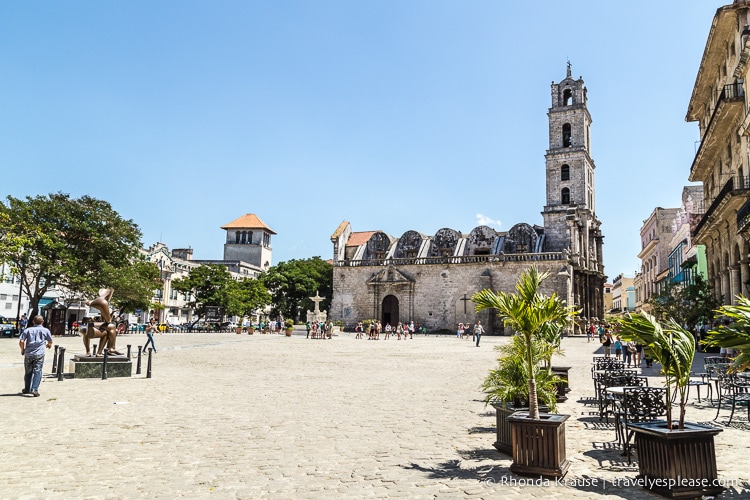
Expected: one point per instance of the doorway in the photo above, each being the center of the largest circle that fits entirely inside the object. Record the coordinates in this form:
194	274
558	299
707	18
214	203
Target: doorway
390	311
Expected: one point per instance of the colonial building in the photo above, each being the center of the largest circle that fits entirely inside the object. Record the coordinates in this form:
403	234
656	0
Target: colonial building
247	254
656	235
720	107
623	295
247	247
430	279
686	260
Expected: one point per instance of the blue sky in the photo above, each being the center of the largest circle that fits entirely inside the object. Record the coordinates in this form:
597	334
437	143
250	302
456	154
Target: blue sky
393	115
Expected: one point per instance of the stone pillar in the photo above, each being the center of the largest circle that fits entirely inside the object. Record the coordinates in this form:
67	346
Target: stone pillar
735	282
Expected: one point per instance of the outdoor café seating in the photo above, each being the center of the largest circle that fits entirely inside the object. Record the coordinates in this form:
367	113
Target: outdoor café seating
603	364
638	404
734	390
615	378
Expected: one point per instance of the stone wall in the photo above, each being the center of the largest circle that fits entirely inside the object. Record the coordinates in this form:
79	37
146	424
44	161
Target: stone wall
430	295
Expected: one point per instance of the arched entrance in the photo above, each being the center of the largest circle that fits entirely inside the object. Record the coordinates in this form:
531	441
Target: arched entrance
390	311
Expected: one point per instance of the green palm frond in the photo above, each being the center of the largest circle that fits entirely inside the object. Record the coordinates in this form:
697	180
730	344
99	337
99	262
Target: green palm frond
736	335
671	346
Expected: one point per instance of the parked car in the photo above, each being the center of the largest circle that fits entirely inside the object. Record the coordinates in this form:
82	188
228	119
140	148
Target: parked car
8	330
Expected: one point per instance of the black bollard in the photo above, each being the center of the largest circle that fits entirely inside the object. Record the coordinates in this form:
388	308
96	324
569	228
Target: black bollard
148	367
60	363
128	351
54	360
94	351
138	365
104	364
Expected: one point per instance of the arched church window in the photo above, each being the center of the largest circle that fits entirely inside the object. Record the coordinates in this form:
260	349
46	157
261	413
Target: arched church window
566	196
566	135
244	237
565	173
237	237
567	97
249	237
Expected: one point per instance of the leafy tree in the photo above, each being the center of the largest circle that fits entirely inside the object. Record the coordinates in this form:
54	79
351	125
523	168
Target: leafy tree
530	314
133	284
56	240
208	285
246	296
293	282
688	305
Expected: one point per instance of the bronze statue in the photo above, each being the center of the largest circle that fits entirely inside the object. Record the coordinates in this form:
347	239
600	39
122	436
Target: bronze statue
105	330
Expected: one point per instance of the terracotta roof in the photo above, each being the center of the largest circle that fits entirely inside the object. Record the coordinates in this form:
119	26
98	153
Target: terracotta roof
248	221
359	238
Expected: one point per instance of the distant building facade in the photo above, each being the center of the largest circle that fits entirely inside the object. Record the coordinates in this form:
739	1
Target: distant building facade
686	259
623	295
656	235
430	279
247	254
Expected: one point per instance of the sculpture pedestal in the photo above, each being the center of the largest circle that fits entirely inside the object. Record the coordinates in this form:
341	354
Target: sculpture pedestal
91	366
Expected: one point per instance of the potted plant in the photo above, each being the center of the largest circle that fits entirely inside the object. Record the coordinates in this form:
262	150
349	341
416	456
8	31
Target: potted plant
288	327
507	389
678	457
538	439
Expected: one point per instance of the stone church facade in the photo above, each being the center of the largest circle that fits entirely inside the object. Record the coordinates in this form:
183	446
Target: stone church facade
429	279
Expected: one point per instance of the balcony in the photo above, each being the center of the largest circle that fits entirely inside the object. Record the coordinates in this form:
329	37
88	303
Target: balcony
743	217
727	111
733	195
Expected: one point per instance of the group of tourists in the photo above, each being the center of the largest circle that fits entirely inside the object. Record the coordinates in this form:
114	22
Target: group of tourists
631	353
465	328
376	328
319	330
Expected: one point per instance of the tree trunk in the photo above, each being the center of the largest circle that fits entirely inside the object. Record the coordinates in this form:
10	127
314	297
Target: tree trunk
533	401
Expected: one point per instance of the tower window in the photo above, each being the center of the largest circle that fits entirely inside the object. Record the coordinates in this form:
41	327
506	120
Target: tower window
567	97
566	196
565	173
249	237
566	135
237	237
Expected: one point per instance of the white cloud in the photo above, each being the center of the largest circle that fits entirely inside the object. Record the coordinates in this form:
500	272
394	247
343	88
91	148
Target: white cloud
483	220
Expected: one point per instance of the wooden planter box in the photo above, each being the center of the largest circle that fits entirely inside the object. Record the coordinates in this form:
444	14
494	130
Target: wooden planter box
563	388
538	445
677	463
504	443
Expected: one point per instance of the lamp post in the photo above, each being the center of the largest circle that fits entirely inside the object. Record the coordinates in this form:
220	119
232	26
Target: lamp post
20	292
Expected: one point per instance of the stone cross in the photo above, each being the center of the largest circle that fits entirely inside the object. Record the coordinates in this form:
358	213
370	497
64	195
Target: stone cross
465	299
317	299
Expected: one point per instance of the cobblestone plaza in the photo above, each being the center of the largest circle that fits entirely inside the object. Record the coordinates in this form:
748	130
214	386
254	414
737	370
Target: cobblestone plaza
266	416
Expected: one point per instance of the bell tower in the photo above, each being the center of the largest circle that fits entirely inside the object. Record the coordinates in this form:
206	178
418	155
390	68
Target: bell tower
570	221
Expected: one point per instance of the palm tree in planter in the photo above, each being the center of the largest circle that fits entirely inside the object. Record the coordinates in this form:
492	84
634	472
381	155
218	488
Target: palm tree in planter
507	389
679	455
530	313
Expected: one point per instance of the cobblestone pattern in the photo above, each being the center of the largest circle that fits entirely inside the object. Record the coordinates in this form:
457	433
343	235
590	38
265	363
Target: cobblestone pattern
265	416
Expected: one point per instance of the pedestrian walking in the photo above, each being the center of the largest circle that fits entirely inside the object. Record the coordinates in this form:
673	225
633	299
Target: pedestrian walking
478	331
150	329
33	341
